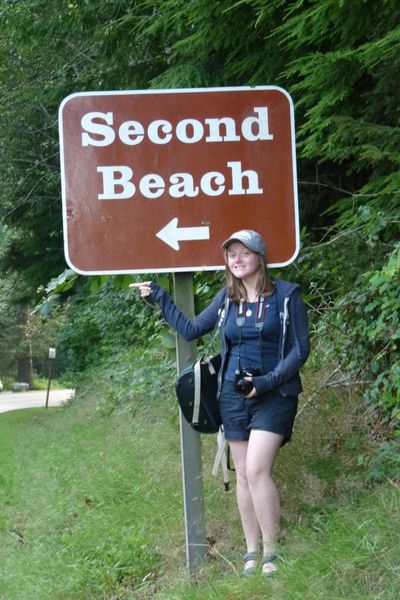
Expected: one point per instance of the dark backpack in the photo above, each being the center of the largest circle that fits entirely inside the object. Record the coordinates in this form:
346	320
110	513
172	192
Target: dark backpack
196	390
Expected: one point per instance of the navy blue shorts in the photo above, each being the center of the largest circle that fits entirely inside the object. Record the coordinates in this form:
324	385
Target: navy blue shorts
269	412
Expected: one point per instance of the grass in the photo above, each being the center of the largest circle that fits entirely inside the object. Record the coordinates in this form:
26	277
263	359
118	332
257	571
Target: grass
80	514
92	507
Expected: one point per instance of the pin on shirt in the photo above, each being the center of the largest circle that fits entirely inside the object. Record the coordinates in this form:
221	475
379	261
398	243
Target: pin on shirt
249	312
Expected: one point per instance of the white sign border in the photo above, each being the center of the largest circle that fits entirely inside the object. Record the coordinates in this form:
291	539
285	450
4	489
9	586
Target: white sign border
174	91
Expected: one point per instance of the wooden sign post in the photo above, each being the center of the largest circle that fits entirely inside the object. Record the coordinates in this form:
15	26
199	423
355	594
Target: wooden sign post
192	473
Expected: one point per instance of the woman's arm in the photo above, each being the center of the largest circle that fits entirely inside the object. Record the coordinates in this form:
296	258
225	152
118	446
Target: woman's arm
189	329
299	349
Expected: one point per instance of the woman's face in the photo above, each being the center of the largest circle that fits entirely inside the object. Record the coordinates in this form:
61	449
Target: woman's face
242	262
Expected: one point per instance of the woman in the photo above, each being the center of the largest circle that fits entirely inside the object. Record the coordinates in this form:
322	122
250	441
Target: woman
264	342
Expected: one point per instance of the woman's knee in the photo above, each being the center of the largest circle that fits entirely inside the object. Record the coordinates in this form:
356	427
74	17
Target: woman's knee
256	474
239	455
241	474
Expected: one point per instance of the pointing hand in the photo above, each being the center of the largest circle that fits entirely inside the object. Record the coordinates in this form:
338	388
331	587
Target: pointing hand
143	287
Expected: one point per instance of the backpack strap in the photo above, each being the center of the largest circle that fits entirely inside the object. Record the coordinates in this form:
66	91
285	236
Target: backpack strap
197	385
221	458
197	392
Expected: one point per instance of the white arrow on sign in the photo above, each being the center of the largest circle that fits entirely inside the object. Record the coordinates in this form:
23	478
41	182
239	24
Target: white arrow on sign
171	234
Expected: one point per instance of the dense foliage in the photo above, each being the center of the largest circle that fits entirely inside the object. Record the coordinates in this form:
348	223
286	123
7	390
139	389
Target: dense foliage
339	59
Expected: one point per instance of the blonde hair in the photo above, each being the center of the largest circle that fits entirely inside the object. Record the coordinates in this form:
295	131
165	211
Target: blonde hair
236	289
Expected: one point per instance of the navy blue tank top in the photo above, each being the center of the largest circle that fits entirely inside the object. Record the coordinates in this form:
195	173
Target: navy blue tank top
250	352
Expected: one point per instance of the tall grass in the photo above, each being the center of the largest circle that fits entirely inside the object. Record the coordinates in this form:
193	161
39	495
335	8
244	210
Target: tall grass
89	502
92	507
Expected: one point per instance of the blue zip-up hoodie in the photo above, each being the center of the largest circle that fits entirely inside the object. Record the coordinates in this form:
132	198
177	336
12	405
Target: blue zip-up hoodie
294	345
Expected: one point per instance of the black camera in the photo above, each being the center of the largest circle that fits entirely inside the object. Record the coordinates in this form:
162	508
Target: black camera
242	386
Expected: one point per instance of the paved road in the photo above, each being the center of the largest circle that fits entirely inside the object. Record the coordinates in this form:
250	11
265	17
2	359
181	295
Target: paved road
16	400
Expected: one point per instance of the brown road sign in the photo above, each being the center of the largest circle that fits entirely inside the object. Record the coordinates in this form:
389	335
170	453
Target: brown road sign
155	180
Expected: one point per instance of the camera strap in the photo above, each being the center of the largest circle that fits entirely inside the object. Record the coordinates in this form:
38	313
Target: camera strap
261	309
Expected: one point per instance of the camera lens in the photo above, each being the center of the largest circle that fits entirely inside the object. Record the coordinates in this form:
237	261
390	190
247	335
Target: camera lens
244	387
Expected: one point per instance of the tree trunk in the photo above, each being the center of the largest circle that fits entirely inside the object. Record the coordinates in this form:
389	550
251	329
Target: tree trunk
24	360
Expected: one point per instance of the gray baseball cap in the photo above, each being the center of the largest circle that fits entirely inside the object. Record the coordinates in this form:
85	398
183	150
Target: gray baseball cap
251	239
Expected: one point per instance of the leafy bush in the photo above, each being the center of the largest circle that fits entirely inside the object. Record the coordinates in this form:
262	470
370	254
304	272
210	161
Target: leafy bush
360	332
378	324
102	322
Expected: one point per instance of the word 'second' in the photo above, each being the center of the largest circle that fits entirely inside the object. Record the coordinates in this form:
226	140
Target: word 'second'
187	131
